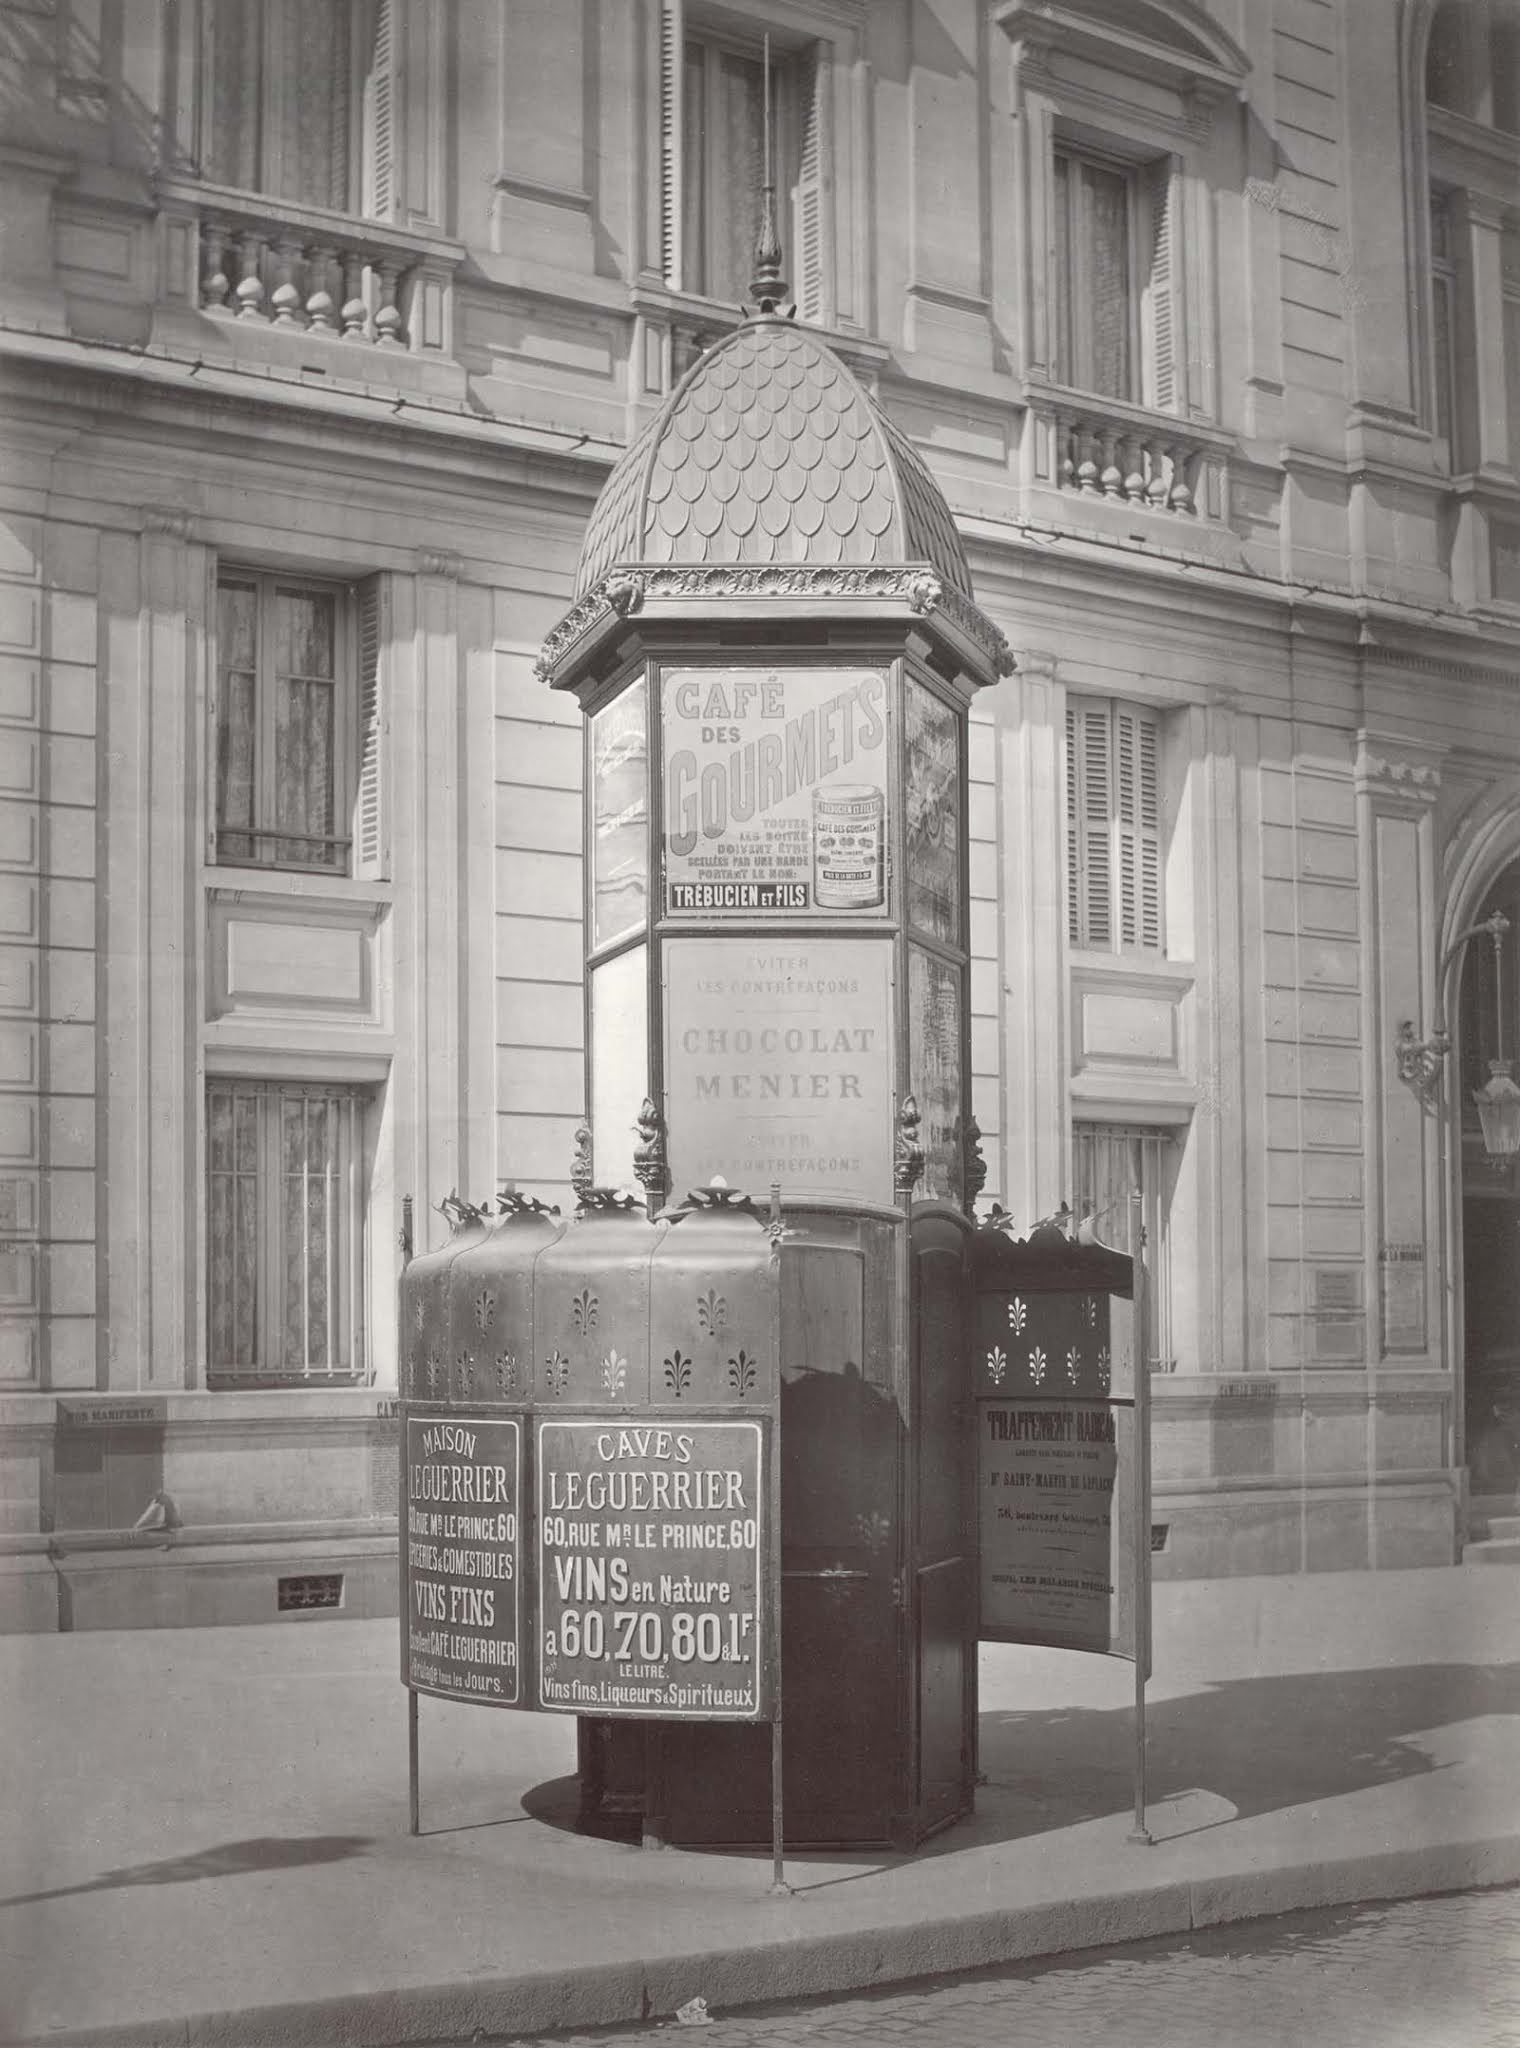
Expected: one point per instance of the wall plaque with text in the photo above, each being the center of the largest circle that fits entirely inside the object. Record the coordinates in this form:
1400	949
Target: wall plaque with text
652	1547
778	1064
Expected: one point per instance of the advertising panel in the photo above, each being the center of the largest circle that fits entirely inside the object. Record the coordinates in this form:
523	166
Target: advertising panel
775	793
461	1558
1054	1549
652	1545
778	1064
1056	1472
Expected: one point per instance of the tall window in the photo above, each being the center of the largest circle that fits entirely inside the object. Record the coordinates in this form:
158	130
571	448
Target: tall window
296	699
713	145
1110	1165
285	1232
288	85
1114	289
1113	826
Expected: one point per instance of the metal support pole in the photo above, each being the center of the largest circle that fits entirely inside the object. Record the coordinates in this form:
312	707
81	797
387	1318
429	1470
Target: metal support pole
1141	1501
779	1886
413	1800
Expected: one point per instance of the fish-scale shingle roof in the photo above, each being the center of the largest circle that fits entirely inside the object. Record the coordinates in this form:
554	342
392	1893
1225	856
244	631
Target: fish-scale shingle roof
769	450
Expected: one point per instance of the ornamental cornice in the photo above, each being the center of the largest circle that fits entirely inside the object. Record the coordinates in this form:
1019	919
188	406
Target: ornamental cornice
627	590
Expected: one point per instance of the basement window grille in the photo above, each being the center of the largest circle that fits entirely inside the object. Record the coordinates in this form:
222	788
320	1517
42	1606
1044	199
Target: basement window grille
310	1590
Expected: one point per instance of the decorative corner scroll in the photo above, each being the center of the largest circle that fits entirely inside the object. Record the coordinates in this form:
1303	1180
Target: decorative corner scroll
649	1163
908	1163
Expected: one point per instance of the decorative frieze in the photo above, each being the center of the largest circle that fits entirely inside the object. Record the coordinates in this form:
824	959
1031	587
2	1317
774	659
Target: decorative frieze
910	584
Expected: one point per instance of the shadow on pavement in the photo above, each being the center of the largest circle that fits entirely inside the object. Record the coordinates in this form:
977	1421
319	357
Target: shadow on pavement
227	1859
1263	1744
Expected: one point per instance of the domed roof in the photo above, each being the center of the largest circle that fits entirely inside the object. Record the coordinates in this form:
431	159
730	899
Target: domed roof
769	450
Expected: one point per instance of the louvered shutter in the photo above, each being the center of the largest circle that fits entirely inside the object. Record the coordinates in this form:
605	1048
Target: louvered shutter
1162	326
1137	824
672	139
814	186
382	95
371	855
1089	824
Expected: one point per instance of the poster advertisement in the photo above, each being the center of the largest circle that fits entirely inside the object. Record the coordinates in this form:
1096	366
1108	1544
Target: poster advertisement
778	1065
461	1557
652	1540
1052	1568
775	793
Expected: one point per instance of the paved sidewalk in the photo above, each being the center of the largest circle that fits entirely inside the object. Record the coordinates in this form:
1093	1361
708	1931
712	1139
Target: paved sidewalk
205	1830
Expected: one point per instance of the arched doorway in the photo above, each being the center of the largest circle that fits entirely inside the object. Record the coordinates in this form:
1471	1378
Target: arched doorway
1490	1191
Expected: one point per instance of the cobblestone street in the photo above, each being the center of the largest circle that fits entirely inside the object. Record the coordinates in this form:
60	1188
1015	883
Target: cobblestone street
1422	1973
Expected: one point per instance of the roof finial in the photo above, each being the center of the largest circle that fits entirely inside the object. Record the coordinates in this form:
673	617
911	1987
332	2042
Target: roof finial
768	286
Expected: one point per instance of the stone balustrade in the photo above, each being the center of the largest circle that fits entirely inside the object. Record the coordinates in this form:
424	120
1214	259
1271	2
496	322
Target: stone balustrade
274	265
1104	449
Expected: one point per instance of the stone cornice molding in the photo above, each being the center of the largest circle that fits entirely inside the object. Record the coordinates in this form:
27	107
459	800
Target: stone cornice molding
441	562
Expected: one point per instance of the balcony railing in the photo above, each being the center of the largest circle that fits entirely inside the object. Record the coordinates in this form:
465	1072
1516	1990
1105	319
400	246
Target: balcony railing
1104	449
276	265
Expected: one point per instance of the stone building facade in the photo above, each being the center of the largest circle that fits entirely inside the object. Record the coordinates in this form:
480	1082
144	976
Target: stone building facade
322	323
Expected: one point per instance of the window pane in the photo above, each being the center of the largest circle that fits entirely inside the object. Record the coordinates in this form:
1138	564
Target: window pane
305	727
1065	367
311	105
235	725
304	630
693	181
232	1227
285	1226
737	171
233	65
1105	198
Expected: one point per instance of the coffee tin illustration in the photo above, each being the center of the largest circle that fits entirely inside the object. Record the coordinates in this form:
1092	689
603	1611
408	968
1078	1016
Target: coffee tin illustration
849	835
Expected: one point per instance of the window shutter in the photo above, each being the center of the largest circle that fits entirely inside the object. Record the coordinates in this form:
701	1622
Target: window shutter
672	126
1161	291
1137	823
1089	829
813	185
370	851
382	92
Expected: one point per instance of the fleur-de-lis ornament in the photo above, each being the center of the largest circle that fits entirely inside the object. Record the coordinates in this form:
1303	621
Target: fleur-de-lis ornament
1018	1315
678	1373
997	1364
712	1311
506	1372
556	1372
614	1374
485	1308
1073	1365
584	1309
1037	1363
1105	1369
741	1374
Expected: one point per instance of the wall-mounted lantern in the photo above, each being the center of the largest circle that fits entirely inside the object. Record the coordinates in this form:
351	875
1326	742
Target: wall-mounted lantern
1421	1060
